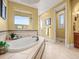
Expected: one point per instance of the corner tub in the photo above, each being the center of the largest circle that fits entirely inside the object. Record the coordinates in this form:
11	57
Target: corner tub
35	52
21	44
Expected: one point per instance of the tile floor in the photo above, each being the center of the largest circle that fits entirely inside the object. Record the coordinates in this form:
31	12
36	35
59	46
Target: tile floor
58	51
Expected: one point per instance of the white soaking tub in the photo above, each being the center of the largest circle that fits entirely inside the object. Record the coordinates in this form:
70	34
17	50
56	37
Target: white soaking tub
21	44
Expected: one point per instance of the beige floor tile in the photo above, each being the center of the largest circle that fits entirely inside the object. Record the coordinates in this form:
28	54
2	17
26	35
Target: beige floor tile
18	56
58	51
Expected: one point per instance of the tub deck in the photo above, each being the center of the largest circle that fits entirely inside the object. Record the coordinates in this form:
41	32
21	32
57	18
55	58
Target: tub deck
26	54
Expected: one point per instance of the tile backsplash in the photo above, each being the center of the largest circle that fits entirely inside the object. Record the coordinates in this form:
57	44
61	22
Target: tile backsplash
24	33
21	34
3	36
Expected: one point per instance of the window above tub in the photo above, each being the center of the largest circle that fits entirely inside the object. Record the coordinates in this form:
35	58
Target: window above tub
61	19
21	20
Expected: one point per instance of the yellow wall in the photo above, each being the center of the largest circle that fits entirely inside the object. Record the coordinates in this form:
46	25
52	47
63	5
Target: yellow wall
44	16
15	6
3	23
23	14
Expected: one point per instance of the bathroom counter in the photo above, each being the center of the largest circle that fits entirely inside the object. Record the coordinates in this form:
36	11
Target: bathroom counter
26	54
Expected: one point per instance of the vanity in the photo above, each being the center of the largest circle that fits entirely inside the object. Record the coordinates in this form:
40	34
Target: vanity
76	39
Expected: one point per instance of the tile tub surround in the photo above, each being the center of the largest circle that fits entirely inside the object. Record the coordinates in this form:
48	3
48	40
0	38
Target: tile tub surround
27	54
24	33
21	44
3	35
21	33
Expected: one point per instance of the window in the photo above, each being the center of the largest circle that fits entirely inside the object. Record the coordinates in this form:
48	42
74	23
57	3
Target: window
61	21
21	20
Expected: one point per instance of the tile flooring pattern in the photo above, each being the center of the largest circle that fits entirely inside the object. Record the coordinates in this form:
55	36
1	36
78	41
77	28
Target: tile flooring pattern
58	51
52	51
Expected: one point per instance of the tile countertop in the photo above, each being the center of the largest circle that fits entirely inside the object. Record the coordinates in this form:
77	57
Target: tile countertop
26	54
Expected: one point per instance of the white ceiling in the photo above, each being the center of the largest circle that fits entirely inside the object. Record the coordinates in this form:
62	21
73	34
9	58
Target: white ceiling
27	1
42	5
31	3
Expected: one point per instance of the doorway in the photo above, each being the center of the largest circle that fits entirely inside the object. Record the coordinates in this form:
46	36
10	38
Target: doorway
60	26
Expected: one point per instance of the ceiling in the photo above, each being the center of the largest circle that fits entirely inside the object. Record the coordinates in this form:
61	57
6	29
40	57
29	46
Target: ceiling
31	3
42	5
27	1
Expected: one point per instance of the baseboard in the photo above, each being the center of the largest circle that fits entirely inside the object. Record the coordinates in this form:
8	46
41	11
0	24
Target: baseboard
51	40
60	39
69	45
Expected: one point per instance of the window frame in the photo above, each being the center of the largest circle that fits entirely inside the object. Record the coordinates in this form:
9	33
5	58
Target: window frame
61	26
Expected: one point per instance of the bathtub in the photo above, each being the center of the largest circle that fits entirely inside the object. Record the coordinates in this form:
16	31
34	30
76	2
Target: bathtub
21	44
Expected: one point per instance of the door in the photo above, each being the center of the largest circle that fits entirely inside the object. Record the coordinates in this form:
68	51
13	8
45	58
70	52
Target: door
60	25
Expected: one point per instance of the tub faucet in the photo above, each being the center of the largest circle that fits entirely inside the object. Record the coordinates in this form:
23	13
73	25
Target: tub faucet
37	38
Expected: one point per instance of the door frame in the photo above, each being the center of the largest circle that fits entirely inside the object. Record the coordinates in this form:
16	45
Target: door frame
61	12
61	7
